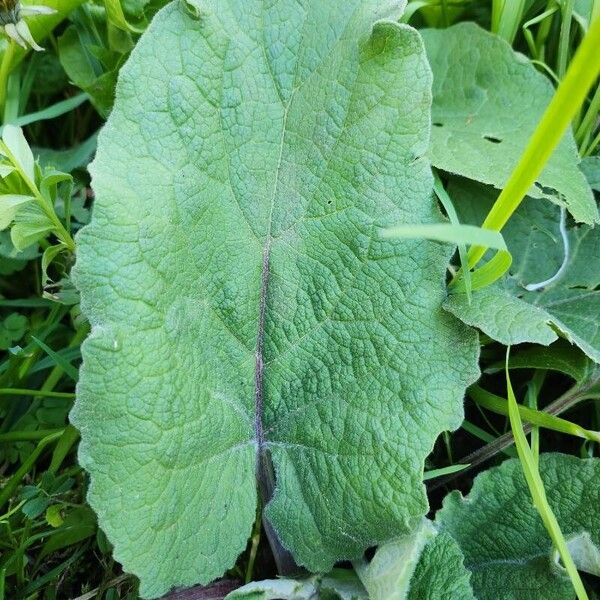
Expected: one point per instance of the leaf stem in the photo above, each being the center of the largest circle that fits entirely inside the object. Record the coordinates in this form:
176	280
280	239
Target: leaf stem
5	70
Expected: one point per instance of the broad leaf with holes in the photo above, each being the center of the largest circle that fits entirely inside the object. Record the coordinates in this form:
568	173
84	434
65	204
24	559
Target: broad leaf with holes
504	540
487	102
242	302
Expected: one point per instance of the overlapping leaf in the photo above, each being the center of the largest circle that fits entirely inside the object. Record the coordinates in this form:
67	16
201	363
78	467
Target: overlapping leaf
422	565
502	536
487	101
241	298
511	313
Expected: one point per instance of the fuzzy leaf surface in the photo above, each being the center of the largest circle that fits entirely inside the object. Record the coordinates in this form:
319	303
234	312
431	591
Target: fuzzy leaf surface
441	573
487	101
503	539
242	301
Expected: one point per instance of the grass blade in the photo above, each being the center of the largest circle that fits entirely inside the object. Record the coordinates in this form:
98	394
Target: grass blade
536	488
60	361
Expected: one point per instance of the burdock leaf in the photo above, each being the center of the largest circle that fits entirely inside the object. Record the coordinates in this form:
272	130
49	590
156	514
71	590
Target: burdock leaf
247	318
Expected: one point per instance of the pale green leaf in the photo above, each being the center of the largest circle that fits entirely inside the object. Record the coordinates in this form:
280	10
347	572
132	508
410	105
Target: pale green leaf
21	153
278	589
340	584
241	298
502	537
6	170
584	552
10	205
388	575
487	101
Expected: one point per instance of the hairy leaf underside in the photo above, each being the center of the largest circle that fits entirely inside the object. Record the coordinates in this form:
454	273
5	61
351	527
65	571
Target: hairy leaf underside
247	319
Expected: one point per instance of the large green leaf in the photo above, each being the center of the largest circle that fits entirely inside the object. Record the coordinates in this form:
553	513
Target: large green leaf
504	540
510	312
243	304
487	101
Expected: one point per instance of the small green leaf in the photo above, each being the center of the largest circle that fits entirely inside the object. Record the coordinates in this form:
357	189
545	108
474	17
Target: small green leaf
50	253
10	204
115	15
12	329
19	149
54	515
31	224
35	507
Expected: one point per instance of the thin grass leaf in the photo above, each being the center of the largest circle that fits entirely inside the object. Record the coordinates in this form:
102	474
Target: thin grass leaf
535	417
536	487
446	201
443	471
51	112
58	359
